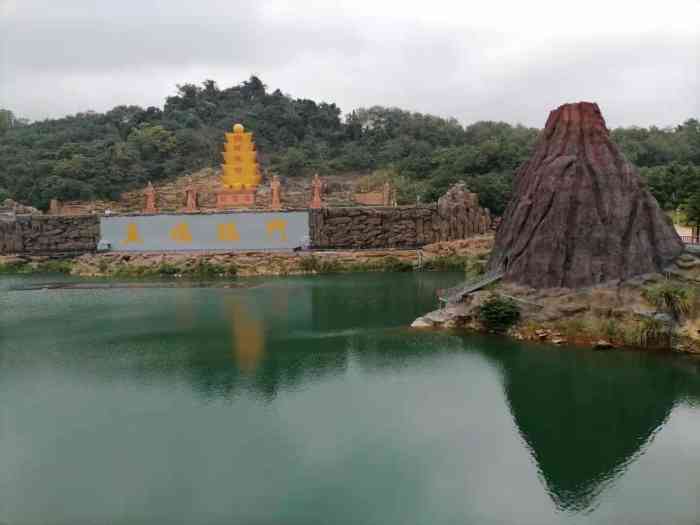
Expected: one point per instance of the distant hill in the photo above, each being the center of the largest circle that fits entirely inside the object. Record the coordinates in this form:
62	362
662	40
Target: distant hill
100	155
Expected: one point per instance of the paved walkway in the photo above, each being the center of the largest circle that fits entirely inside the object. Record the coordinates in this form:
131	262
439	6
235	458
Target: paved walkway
455	295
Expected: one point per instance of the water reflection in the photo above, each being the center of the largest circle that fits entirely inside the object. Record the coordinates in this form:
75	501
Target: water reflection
585	416
248	338
256	364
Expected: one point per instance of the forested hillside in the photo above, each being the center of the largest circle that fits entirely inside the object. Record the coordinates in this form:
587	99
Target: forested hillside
99	155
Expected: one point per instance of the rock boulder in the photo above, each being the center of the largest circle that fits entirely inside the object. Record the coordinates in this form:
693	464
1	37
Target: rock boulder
580	214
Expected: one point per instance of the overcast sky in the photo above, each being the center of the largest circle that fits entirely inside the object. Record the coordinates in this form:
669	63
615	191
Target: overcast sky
474	60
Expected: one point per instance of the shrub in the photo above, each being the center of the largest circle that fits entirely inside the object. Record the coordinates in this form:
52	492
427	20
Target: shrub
609	328
207	270
53	266
394	264
574	326
499	313
14	267
309	263
654	332
329	266
675	299
167	270
474	267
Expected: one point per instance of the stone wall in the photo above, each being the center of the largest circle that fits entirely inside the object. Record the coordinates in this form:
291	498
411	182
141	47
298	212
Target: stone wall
49	234
456	216
369	198
10	237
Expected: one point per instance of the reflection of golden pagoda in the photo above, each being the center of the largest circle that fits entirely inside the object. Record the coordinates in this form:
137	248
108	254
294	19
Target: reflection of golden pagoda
240	171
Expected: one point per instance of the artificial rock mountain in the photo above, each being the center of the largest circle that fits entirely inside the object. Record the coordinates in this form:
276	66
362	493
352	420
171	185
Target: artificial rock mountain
580	214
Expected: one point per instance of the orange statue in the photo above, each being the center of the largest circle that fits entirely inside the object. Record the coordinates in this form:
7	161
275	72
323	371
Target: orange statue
55	207
386	194
150	193
190	197
317	188
275	186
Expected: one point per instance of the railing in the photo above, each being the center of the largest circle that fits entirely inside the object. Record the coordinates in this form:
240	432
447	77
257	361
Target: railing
689	240
455	294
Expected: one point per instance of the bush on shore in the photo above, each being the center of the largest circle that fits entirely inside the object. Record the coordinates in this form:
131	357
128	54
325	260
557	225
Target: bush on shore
499	313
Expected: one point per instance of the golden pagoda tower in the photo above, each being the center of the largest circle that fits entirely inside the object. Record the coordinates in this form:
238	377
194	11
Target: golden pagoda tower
240	173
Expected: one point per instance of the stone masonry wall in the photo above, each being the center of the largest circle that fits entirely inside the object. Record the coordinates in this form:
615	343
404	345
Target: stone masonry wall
49	234
457	215
10	237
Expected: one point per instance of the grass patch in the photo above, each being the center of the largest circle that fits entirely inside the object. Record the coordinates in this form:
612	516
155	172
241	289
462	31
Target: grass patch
394	264
447	263
207	270
314	264
472	266
26	267
654	333
201	269
15	267
54	266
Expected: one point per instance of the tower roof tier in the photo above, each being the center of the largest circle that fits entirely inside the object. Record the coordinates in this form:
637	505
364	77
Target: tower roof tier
240	169
242	138
234	157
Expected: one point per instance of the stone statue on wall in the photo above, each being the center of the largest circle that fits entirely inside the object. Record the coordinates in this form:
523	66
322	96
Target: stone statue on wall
316	188
150	194
386	194
190	196
275	187
55	207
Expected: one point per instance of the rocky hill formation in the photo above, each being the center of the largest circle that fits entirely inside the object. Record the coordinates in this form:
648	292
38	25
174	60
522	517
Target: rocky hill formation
581	214
339	190
11	208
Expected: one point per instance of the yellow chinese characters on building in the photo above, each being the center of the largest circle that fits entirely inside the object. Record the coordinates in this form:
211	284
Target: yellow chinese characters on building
132	235
277	228
181	233
228	232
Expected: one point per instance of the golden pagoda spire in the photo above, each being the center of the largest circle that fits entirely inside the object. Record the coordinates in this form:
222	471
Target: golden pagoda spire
240	168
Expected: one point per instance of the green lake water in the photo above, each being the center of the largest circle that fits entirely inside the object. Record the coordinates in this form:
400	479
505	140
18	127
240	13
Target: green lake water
308	401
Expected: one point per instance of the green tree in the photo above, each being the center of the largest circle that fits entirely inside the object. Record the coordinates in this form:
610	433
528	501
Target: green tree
291	163
692	212
7	120
104	154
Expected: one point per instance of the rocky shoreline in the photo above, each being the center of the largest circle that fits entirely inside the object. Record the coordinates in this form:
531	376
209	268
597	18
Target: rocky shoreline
449	255
617	314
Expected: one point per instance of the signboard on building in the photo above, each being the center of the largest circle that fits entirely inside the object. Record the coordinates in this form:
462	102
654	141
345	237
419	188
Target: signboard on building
216	231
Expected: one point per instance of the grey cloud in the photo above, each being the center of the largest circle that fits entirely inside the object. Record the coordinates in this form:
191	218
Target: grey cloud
103	42
75	55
